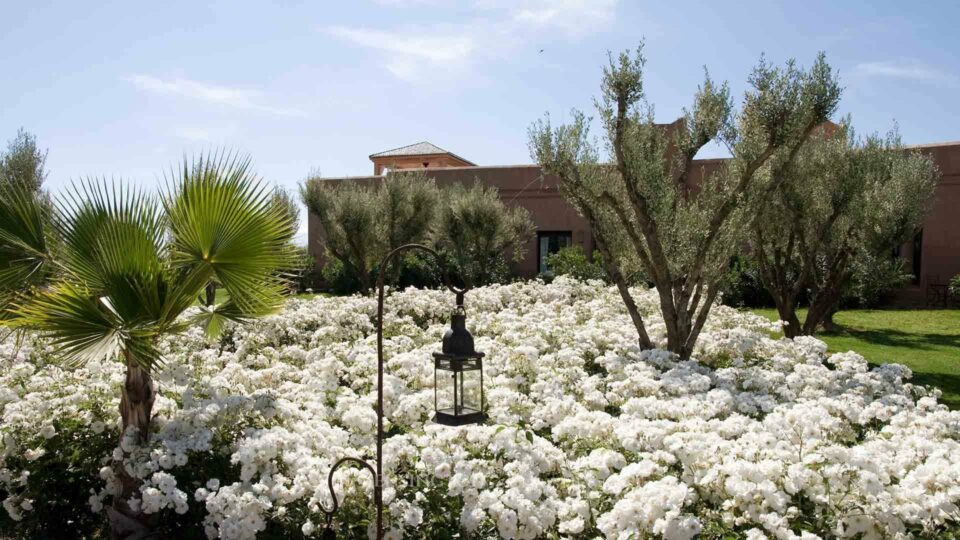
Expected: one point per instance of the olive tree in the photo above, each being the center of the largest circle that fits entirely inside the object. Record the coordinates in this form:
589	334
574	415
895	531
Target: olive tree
479	231
645	201
363	223
838	212
23	162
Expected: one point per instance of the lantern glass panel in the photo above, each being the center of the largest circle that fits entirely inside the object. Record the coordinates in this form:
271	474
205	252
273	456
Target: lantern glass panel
469	392
444	390
459	390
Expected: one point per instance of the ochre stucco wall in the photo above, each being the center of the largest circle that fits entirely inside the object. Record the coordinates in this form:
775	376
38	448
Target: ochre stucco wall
520	185
524	185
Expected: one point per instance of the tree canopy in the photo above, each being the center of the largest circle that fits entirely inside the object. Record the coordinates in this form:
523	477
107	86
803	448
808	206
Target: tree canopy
23	162
363	223
647	204
840	209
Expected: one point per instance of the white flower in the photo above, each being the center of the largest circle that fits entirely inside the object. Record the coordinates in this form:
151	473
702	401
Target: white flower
585	429
35	453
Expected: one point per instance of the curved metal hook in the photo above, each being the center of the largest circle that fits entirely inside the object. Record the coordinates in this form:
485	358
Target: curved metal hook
333	493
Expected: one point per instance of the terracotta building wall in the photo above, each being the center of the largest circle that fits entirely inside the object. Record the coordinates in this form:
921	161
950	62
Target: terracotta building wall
524	185
518	185
940	238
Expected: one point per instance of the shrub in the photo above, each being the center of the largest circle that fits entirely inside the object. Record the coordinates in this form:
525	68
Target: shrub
873	281
362	223
954	285
477	231
572	261
587	436
745	288
338	279
303	275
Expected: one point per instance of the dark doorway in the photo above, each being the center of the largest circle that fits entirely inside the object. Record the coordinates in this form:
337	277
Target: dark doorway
548	243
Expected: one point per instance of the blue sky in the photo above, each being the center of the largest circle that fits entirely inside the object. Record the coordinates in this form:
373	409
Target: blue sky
125	89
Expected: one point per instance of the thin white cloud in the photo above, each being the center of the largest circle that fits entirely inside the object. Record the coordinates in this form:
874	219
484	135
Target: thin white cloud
238	98
406	53
499	26
574	17
903	70
434	48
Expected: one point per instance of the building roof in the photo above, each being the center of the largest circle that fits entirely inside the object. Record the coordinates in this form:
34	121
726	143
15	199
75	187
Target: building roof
422	148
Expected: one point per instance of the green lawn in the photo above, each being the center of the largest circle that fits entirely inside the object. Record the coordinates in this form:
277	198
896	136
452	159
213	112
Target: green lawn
926	341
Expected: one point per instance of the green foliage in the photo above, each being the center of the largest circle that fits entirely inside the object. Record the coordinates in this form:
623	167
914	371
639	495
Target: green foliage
23	162
24	242
129	264
471	228
362	224
61	482
572	261
827	231
303	274
954	285
478	231
648	206
338	278
745	288
289	205
873	279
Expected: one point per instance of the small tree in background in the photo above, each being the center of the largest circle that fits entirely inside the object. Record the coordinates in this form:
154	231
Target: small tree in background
301	274
23	162
572	261
362	224
477	231
830	227
289	205
646	208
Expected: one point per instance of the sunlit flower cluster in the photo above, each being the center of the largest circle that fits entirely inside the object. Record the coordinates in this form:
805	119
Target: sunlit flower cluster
588	436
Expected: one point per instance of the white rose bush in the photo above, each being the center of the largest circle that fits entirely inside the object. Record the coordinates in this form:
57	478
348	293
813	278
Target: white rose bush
755	437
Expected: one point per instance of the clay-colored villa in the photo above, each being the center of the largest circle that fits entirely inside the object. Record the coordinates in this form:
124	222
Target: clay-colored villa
933	257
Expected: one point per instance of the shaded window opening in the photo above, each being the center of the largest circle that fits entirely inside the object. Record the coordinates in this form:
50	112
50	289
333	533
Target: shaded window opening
549	243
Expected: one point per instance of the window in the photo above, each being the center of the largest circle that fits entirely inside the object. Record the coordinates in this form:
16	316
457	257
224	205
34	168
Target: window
549	243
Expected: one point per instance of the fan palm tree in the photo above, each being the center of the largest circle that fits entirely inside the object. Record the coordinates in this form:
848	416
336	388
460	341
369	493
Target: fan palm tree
109	271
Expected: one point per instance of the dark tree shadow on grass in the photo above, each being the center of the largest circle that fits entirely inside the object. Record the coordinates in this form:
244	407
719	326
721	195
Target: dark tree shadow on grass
949	383
897	338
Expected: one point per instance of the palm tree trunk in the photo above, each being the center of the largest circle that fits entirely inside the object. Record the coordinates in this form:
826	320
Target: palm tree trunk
211	294
136	409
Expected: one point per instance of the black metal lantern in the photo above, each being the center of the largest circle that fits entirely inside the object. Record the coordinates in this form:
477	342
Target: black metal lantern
458	375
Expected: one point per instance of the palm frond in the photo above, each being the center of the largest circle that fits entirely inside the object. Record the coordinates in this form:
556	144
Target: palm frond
114	283
83	326
224	223
213	319
110	232
24	250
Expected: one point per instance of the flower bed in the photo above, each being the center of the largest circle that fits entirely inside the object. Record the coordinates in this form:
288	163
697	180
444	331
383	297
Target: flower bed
758	437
